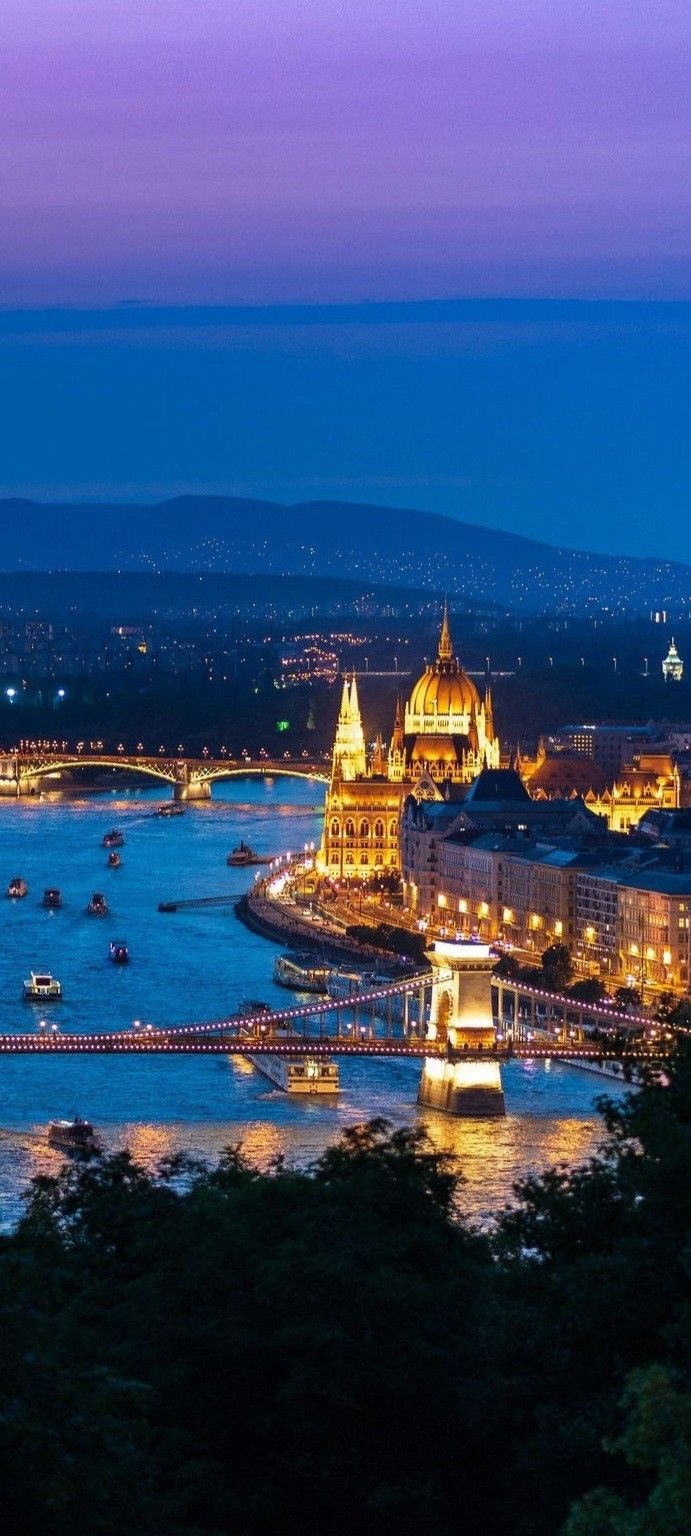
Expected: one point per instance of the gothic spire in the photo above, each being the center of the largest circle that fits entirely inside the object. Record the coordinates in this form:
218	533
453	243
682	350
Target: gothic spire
445	651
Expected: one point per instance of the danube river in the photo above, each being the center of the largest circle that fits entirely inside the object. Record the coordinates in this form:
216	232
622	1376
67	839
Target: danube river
198	965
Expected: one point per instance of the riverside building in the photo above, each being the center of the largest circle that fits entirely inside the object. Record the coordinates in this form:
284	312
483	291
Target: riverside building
443	737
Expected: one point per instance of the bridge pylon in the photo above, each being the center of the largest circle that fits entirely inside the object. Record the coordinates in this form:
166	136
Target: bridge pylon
461	1018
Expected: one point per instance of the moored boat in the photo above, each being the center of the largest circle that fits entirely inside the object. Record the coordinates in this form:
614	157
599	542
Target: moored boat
98	906
51	898
75	1136
118	952
41	987
310	1075
300	974
17	887
244	855
113	839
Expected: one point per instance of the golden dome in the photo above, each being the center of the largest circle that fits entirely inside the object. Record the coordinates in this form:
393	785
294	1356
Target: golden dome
444	688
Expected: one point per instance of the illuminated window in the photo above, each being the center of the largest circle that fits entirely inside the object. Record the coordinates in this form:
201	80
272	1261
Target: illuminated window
666	957
558	928
508	915
441	899
462	904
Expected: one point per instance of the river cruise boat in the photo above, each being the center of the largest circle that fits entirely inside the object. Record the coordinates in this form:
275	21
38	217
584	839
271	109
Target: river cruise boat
244	855
17	887
118	952
298	973
170	808
114	861
41	987
113	839
309	1075
98	906
51	898
75	1136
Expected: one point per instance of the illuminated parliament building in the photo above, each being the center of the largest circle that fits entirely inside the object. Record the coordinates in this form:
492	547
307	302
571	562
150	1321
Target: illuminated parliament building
445	735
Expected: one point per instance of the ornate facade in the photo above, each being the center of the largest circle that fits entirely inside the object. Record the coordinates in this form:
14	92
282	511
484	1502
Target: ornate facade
445	735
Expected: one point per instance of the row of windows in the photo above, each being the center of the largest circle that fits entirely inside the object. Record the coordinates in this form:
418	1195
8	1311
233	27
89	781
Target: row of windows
364	858
365	829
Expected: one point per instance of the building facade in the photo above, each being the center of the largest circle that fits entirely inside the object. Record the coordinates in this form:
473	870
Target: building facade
443	737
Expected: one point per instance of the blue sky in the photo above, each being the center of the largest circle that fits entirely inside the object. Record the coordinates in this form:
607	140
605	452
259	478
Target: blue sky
566	421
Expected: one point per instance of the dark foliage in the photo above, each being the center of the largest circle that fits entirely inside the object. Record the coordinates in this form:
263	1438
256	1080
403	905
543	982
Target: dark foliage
226	1351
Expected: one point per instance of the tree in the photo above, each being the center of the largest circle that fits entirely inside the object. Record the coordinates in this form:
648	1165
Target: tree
589	990
627	997
557	964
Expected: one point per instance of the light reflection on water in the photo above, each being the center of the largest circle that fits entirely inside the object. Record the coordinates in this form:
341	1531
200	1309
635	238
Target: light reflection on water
196	965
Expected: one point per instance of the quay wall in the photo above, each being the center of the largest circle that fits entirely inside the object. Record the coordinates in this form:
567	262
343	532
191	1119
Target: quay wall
272	922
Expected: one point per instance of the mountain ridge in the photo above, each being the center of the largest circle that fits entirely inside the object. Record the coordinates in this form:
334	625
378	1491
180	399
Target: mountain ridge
364	541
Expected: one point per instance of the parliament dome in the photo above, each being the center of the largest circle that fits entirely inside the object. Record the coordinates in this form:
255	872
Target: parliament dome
444	688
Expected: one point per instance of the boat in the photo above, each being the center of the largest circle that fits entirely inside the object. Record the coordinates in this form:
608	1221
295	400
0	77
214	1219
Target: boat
17	887
249	1008
98	906
170	808
114	861
41	987
118	952
113	839
74	1135
310	1075
300	974
244	855
51	898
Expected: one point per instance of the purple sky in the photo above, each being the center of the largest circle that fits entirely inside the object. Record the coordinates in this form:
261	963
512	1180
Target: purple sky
240	150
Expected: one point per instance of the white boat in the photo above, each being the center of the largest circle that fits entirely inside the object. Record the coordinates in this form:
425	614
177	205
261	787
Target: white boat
300	974
309	1075
170	808
41	987
17	887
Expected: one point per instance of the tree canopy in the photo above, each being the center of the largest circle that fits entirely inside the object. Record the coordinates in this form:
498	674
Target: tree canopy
228	1352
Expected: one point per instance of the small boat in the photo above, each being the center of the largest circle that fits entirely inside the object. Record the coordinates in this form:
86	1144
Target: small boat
118	952
300	974
41	987
98	906
113	839
17	887
244	855
248	1008
51	898
76	1136
114	861
170	808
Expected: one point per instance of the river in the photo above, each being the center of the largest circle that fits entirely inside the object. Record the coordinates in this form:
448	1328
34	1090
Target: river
197	965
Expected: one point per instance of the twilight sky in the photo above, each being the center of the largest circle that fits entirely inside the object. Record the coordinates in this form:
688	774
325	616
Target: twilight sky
328	149
328	152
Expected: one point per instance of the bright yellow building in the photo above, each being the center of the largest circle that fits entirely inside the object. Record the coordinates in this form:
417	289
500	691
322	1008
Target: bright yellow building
446	734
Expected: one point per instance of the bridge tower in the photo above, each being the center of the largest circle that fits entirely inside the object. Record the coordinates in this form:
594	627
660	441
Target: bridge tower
461	1018
188	786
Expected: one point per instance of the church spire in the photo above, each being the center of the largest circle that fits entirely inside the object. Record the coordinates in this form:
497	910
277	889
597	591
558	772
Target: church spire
445	651
345	702
397	738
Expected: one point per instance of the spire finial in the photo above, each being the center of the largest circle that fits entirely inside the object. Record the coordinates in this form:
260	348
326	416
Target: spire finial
445	652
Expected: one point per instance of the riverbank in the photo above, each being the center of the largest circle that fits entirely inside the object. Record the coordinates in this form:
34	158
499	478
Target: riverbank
271	919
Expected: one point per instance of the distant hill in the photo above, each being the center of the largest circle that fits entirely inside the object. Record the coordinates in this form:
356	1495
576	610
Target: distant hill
370	544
